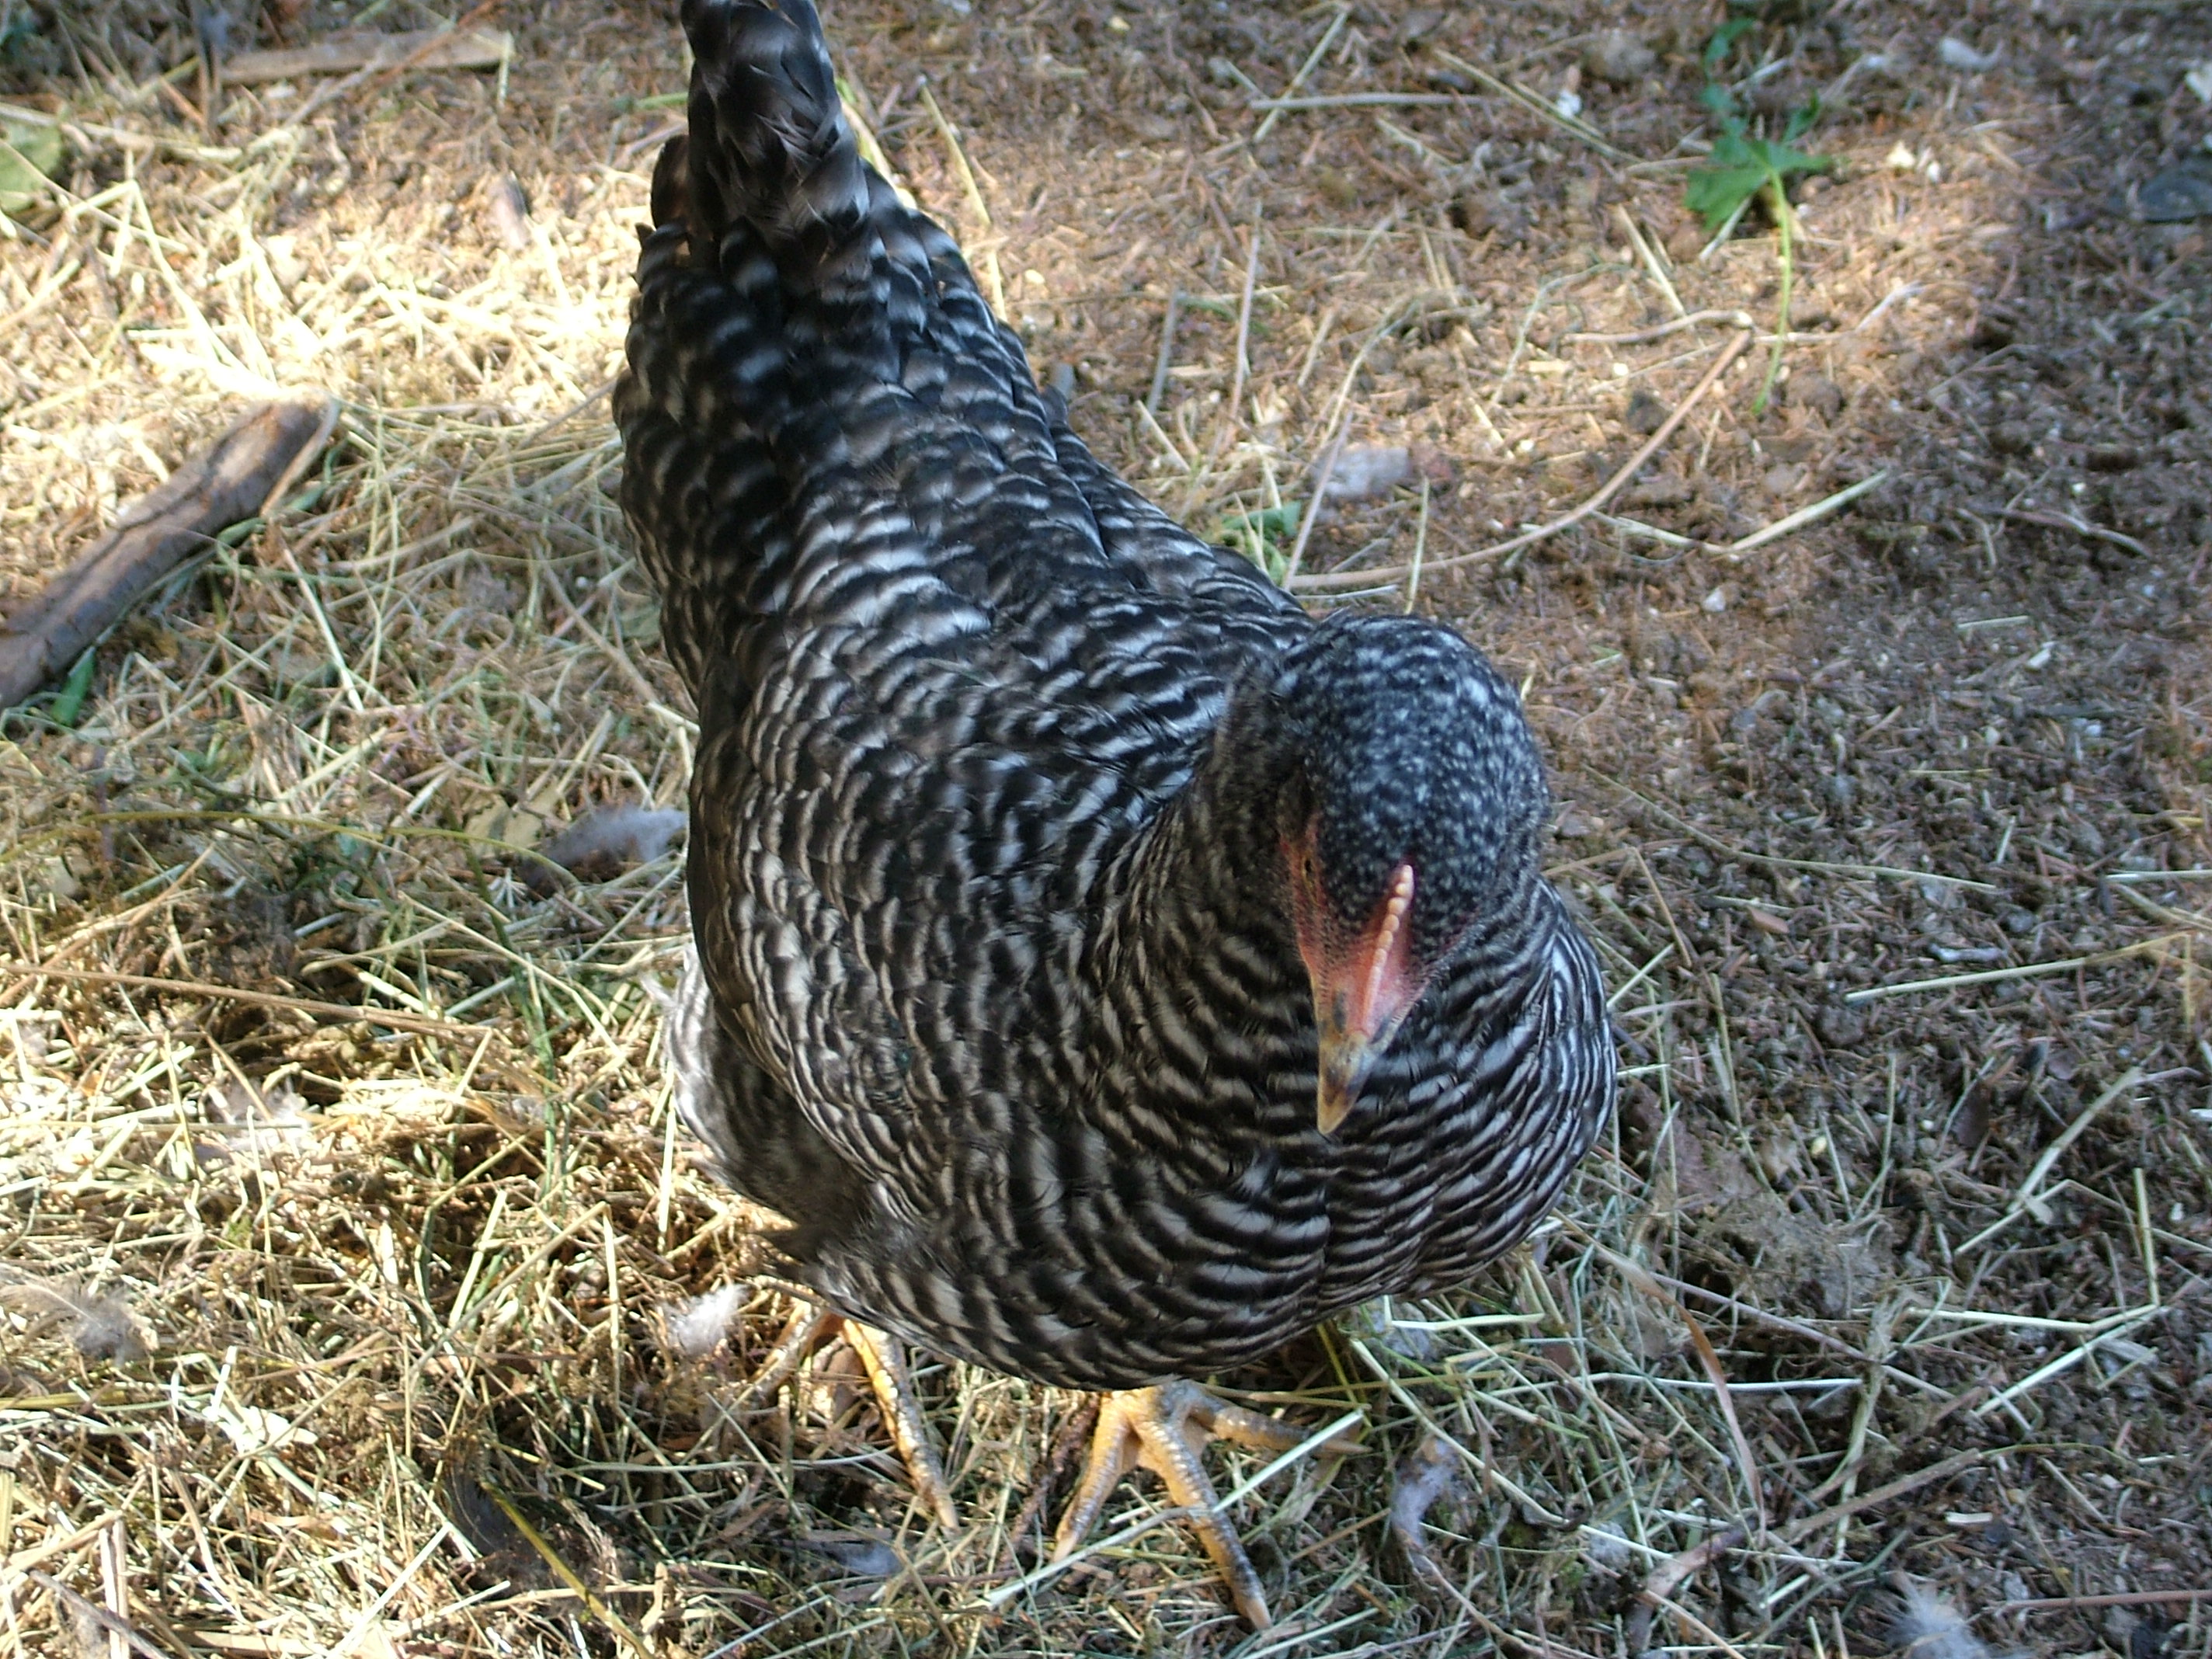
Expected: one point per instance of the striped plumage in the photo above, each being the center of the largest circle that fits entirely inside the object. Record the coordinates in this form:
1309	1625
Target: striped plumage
1000	992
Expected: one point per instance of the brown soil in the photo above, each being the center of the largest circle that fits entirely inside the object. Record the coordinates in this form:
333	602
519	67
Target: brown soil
1958	728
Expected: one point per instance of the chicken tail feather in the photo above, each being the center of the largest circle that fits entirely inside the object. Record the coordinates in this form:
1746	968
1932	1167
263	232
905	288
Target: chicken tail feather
769	146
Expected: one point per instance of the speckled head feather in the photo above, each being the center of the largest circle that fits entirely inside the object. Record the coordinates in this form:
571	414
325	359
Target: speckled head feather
998	996
1410	750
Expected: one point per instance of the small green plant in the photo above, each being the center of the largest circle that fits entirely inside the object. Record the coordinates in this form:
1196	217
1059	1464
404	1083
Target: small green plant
29	156
1743	167
1260	536
69	708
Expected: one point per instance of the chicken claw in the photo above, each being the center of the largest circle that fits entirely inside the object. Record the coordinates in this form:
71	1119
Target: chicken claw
884	1357
1164	1429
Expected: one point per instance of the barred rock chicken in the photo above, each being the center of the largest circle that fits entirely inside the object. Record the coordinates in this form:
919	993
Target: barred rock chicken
1108	972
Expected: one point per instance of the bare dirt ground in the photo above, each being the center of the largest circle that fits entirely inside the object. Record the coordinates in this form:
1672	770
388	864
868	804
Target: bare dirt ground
374	1333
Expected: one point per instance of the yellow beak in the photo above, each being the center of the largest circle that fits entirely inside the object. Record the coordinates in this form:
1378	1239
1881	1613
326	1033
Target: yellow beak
1360	993
1346	1057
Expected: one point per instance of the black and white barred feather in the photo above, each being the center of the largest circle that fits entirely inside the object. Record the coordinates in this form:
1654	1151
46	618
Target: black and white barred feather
996	995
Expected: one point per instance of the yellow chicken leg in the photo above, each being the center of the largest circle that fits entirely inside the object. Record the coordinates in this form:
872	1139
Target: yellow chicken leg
1164	1429
884	1357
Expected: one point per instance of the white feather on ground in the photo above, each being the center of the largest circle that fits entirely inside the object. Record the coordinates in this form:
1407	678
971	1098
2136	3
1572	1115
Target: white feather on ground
254	1122
697	1327
1927	1626
1429	1474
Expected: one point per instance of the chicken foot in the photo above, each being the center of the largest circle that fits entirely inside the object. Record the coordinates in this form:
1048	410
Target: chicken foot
884	1357
1164	1429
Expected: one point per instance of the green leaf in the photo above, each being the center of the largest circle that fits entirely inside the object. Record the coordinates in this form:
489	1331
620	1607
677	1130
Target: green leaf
1259	535
29	156
69	707
1725	40
1715	193
1801	122
1739	168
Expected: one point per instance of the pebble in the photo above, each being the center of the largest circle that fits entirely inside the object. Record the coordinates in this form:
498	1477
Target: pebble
1619	59
1369	470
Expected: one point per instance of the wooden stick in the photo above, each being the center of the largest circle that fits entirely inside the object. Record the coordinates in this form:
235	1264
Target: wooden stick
229	481
2124	1599
340	54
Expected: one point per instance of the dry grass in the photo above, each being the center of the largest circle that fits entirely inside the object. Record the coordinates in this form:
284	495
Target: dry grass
381	1334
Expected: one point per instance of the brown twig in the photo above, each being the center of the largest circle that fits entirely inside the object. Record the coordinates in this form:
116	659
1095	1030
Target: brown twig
1669	1576
2079	527
341	54
224	484
2124	1599
1660	332
382	75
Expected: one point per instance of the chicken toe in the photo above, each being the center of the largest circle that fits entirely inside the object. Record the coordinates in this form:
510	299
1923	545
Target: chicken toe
884	1357
1164	1429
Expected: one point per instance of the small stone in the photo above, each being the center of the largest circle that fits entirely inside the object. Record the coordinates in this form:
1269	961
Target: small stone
2181	192
1435	466
1619	59
1369	470
1958	55
57	881
284	262
1420	24
1660	489
1841	1027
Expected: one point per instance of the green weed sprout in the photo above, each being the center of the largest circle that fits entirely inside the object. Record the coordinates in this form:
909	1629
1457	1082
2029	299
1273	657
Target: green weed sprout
1742	166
